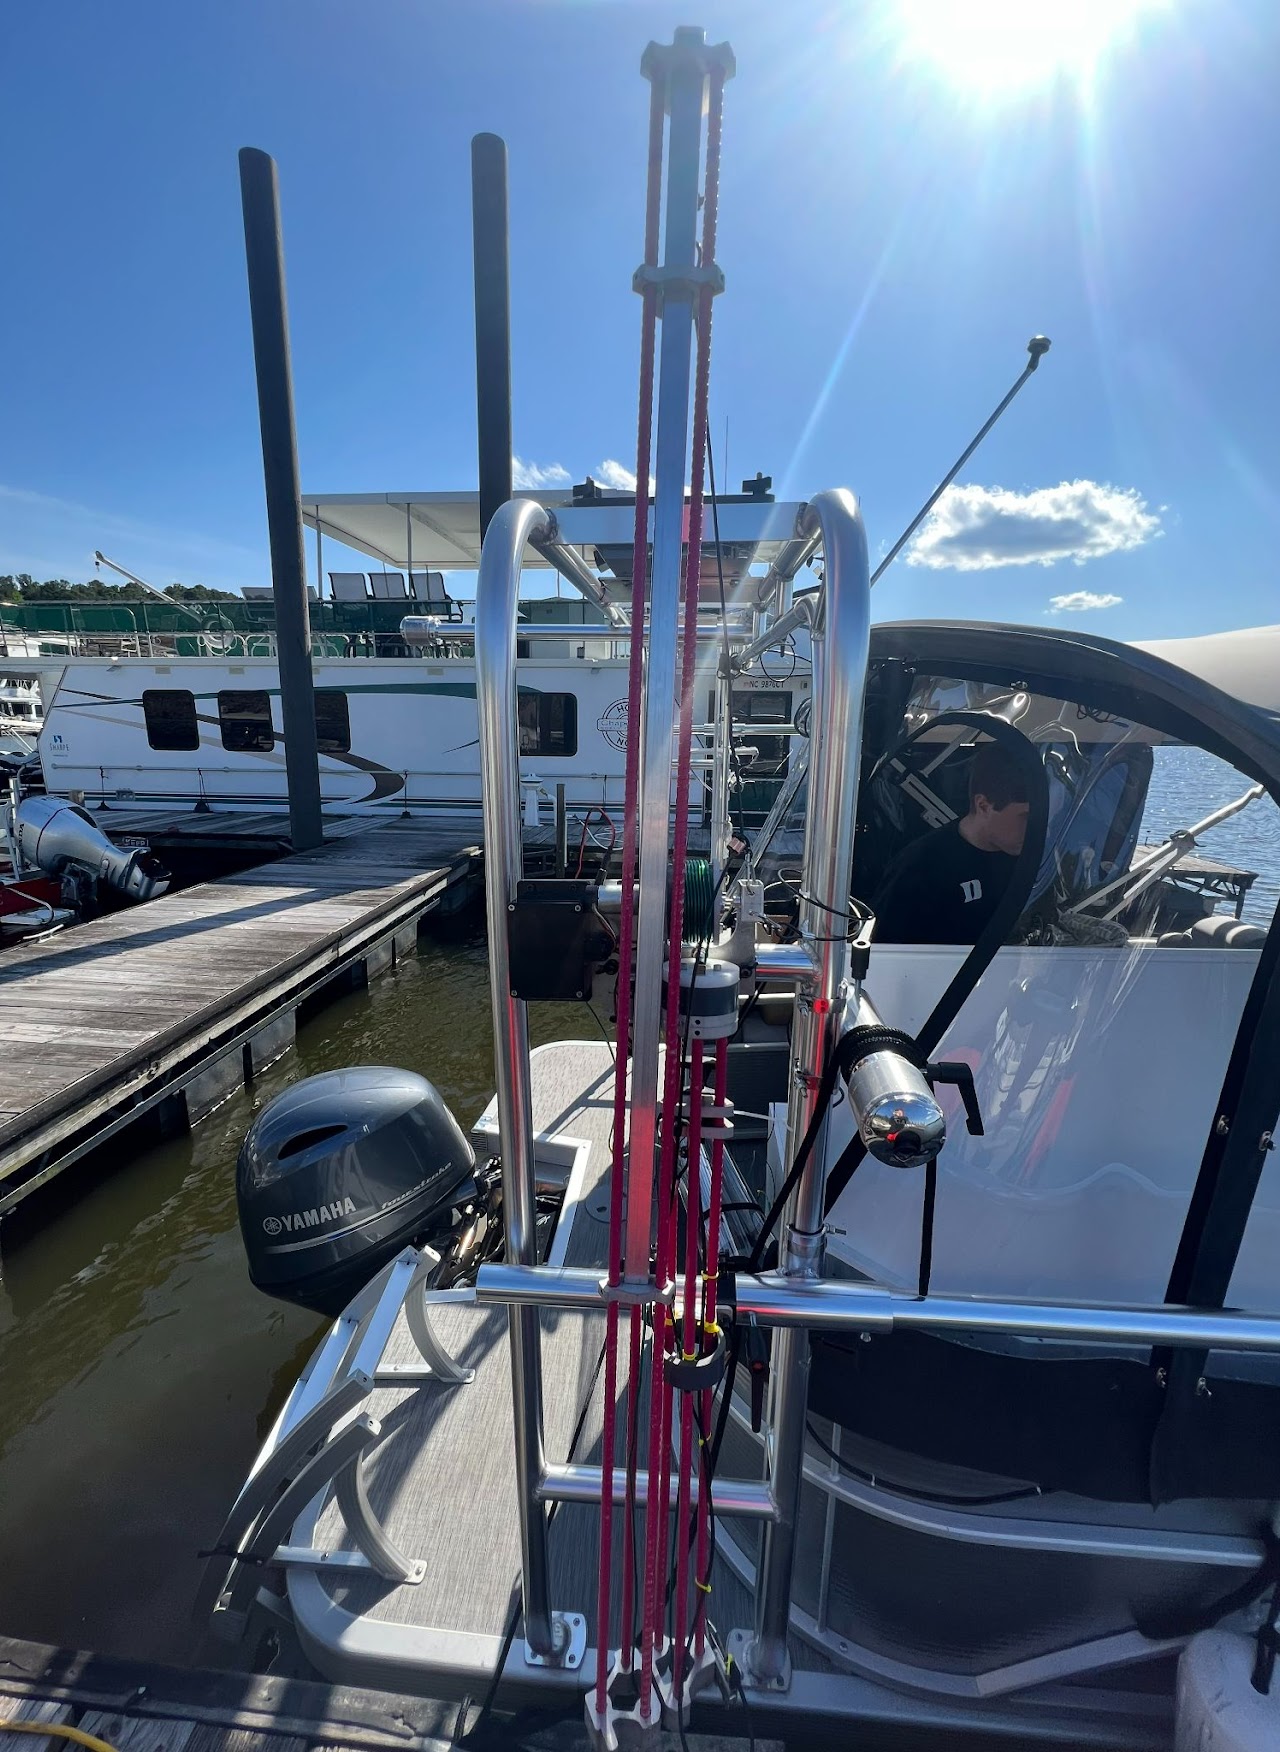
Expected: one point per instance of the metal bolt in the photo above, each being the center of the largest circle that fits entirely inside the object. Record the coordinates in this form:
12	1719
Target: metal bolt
1162	1377
1223	1126
1202	1389
511	906
1266	1141
865	1337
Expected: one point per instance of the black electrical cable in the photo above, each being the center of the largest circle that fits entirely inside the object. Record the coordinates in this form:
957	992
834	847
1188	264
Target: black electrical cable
599	1021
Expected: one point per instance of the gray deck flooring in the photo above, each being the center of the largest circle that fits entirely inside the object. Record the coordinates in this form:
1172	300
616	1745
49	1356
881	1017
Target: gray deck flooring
105	1014
443	1481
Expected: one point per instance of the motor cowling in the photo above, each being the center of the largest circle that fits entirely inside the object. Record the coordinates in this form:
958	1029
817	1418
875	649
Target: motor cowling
57	836
338	1173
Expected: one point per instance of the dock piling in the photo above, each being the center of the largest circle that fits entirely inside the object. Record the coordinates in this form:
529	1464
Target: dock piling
264	259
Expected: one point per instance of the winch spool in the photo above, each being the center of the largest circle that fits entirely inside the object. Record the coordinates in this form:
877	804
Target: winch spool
698	924
709	998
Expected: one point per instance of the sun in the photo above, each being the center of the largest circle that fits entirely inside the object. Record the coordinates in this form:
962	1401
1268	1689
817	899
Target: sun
1012	46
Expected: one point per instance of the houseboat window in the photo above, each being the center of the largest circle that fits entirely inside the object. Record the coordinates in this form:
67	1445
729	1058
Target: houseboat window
548	723
333	721
245	719
170	716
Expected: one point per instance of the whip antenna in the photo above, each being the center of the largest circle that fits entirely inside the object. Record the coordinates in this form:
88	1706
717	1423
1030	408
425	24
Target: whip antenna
1037	346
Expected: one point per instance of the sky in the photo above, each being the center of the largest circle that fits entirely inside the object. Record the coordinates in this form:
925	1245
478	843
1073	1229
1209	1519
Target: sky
904	203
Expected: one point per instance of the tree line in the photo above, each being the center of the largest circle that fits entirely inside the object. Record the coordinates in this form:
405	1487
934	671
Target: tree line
22	587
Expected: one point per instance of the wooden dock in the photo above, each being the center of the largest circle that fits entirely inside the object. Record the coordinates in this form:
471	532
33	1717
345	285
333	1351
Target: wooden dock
139	1707
135	1706
163	1009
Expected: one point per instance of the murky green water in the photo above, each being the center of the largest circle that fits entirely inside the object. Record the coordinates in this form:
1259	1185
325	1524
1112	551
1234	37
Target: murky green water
139	1368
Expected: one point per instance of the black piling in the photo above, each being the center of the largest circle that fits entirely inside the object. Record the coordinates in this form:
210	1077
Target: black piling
493	320
264	258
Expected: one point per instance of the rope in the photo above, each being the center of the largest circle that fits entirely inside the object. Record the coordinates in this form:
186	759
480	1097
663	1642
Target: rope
657	1521
626	927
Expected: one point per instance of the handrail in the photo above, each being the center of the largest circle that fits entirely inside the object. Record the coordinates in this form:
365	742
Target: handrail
512	528
841	622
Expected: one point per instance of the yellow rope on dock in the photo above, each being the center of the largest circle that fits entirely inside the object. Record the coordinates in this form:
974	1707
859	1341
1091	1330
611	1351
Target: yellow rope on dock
60	1731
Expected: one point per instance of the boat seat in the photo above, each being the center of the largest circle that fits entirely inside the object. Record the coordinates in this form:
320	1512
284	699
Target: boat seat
1216	932
1061	1416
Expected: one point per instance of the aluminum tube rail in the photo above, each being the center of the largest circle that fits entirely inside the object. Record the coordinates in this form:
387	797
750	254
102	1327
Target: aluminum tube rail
657	728
842	632
511	528
567	561
742	1498
841	646
722	732
773	1299
797	552
801	615
783	962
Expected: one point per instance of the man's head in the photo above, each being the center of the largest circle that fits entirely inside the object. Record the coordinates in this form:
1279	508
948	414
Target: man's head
998	802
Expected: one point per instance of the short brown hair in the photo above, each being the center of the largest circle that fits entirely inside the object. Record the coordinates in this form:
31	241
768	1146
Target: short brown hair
997	776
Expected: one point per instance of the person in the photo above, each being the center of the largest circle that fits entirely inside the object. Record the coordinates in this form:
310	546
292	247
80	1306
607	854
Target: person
946	885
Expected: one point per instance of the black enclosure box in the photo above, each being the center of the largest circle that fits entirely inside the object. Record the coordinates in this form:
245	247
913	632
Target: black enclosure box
555	938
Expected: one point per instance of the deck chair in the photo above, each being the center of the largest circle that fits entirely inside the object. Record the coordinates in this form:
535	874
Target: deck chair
389	586
348	587
428	589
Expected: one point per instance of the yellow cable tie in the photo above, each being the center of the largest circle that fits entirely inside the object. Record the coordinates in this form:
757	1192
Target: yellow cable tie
689	1356
711	1328
704	1586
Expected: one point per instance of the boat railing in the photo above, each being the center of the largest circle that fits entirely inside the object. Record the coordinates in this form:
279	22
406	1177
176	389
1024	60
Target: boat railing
321	1441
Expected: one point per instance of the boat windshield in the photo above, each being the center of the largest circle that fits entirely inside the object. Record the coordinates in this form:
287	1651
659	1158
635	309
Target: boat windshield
1099	1031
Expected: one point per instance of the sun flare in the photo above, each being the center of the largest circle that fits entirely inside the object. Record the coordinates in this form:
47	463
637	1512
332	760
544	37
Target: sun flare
1010	46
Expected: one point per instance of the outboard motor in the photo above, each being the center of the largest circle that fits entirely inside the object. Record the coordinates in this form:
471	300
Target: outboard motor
340	1172
57	836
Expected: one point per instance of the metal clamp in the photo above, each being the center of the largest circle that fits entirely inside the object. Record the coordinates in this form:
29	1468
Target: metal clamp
678	282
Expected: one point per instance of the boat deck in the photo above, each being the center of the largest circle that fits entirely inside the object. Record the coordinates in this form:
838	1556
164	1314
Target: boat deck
177	1001
442	1482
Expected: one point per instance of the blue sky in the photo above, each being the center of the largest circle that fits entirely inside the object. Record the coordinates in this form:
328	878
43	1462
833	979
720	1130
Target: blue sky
890	235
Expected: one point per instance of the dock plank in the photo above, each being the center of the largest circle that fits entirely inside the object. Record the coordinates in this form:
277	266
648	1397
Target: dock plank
127	1008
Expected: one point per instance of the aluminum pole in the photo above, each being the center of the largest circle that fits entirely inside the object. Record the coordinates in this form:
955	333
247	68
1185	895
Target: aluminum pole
841	645
512	527
657	727
775	1300
264	258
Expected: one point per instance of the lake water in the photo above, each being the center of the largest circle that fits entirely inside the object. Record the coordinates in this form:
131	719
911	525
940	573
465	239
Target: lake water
139	1369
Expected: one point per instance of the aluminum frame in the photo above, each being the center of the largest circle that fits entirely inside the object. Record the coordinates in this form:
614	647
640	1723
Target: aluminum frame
514	526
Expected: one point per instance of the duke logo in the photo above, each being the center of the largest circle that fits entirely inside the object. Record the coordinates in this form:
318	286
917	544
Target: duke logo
612	724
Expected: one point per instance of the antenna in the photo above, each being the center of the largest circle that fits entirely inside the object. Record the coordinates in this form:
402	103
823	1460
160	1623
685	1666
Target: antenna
1037	347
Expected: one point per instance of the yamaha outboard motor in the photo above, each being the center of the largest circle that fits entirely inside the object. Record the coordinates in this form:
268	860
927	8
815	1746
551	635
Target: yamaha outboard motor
57	836
340	1172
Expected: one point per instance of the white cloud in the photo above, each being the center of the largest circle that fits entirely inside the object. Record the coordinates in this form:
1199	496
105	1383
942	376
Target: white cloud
972	529
1078	601
613	474
536	474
